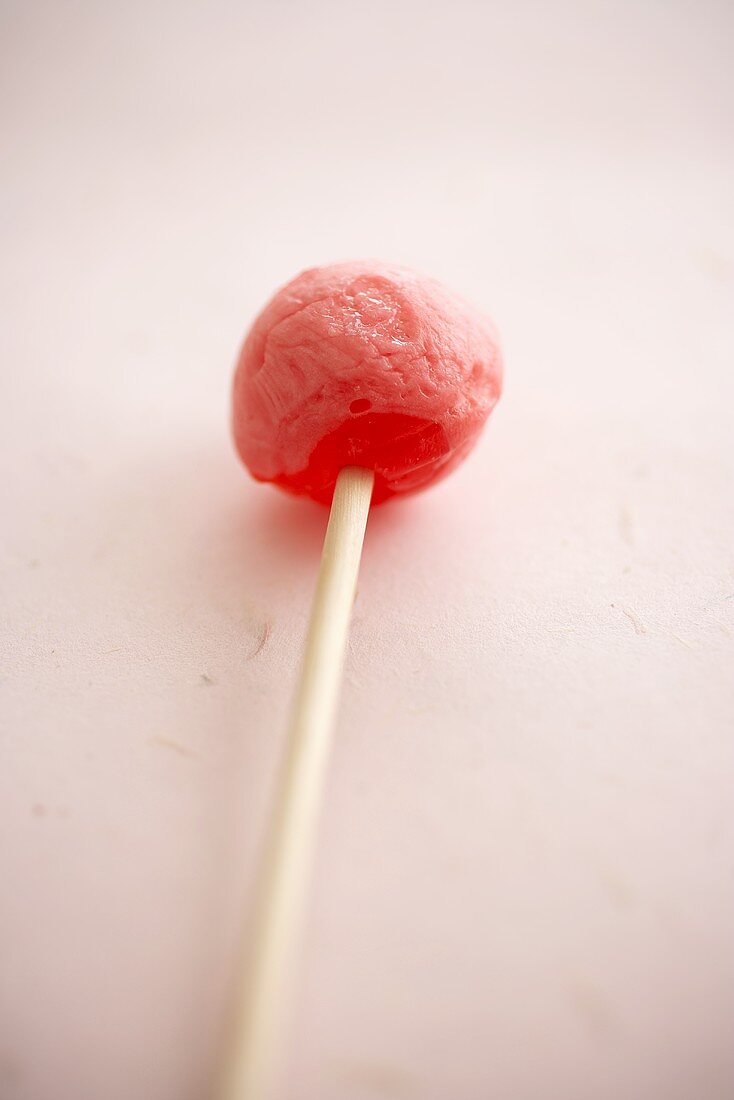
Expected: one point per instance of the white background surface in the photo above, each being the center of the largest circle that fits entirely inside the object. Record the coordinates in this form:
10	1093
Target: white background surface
524	885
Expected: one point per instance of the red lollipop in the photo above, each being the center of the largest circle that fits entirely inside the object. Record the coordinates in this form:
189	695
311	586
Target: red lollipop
363	364
357	382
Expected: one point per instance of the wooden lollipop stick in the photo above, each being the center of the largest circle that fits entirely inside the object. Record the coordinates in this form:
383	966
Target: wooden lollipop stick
252	1062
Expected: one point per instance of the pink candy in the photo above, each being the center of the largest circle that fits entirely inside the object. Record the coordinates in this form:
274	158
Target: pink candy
363	364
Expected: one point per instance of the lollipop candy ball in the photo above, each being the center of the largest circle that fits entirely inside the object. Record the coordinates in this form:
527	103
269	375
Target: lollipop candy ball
363	364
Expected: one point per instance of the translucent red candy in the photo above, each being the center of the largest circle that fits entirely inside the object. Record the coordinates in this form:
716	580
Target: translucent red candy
363	364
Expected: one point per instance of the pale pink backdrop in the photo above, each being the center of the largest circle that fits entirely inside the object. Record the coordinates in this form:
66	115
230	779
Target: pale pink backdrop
524	886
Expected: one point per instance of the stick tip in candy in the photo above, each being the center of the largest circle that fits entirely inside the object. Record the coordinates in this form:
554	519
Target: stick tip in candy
363	364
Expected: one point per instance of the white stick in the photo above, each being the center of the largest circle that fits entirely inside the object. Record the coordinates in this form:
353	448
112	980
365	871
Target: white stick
251	1067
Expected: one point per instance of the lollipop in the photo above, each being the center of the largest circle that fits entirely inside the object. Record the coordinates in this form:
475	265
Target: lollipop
363	364
356	383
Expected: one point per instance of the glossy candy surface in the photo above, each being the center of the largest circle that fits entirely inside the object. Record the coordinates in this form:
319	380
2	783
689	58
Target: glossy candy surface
363	364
